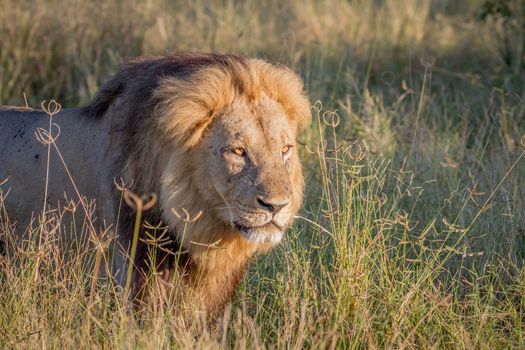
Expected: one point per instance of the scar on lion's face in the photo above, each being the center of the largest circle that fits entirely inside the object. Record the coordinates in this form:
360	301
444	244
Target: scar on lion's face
250	153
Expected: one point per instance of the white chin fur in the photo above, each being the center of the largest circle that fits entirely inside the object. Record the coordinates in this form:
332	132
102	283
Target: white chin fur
259	236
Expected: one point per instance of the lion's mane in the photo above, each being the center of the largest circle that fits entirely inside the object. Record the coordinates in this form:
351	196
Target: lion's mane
162	105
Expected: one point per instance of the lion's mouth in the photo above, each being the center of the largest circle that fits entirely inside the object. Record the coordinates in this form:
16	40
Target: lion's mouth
266	233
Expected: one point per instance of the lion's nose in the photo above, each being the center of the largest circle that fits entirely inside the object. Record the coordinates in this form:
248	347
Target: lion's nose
272	205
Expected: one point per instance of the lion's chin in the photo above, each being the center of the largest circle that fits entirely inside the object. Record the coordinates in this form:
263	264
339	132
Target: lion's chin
265	234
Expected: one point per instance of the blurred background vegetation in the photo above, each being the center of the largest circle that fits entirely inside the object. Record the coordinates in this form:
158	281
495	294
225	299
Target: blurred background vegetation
453	70
421	184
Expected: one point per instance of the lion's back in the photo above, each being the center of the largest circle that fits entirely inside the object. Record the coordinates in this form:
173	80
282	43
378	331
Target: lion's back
24	160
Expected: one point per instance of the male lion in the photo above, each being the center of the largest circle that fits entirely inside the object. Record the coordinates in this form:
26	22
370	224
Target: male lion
208	133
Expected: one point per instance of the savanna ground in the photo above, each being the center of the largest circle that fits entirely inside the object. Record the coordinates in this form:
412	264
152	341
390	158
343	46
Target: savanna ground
413	230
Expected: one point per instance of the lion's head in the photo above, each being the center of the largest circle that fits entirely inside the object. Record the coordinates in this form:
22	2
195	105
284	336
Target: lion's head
221	140
210	134
237	123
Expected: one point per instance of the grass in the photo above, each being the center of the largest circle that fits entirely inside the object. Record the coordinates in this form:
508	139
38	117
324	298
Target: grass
413	230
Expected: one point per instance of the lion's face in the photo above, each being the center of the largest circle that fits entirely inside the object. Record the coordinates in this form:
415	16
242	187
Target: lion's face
250	161
228	150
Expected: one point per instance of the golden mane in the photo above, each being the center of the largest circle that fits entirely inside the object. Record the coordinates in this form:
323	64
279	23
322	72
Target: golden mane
162	106
209	90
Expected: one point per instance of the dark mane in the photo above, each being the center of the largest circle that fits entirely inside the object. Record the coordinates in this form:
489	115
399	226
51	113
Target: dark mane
159	107
131	91
138	78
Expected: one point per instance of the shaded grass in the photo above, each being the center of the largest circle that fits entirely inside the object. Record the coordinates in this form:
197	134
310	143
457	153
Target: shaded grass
412	232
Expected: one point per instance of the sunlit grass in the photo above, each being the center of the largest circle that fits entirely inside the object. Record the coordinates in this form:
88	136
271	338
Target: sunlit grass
412	232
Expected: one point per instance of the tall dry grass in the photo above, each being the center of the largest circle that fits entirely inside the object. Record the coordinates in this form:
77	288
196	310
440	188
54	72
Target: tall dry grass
412	234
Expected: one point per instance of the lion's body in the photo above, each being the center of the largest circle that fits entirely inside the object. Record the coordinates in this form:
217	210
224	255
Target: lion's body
23	162
209	134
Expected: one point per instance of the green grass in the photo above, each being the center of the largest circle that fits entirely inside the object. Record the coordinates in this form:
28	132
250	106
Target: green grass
413	230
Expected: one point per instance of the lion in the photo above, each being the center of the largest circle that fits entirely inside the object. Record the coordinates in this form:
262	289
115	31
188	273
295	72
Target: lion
214	136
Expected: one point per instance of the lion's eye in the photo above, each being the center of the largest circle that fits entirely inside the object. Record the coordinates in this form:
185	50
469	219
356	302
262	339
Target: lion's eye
286	149
239	151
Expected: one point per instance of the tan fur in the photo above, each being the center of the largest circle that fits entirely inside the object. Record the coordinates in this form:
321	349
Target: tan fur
213	88
174	125
187	109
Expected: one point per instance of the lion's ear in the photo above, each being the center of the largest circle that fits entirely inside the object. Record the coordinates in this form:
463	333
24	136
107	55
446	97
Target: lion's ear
187	106
99	105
